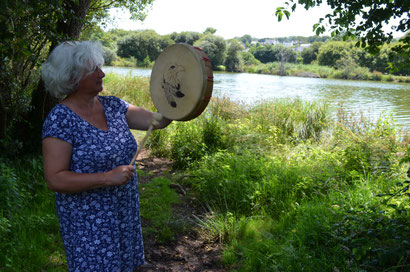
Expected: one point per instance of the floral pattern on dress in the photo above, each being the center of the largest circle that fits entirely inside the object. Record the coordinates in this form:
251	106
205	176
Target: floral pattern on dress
100	228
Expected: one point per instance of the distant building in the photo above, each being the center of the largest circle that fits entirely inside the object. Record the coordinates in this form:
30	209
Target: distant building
288	44
302	46
270	42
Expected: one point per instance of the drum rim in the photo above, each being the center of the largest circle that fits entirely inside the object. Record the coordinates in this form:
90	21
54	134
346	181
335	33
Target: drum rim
206	86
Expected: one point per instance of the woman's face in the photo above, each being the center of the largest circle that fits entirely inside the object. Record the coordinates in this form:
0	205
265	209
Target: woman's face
92	82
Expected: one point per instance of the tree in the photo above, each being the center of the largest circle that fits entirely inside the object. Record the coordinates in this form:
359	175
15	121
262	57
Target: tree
214	47
309	54
210	30
368	31
233	59
264	53
26	29
330	52
29	30
249	59
284	55
246	39
188	37
142	44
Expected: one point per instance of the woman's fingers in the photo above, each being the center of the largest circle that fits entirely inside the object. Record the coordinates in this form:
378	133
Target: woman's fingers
122	174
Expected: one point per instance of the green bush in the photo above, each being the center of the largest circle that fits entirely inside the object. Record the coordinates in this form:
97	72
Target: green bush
109	55
186	144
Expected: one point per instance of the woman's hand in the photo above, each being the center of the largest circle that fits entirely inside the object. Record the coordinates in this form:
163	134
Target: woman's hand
56	159
141	119
120	175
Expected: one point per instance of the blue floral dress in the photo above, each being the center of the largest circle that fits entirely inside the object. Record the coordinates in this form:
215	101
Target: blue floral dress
100	228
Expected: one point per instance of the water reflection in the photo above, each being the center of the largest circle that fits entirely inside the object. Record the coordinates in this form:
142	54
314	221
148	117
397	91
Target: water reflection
368	97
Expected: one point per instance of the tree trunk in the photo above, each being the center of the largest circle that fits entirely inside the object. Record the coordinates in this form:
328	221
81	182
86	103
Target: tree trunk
42	102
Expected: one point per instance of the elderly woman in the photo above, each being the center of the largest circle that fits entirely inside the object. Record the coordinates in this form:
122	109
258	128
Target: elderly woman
87	148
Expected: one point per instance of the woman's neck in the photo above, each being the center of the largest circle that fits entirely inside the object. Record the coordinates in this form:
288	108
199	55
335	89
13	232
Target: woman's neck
81	101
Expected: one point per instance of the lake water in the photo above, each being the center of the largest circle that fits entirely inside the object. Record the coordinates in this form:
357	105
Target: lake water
370	98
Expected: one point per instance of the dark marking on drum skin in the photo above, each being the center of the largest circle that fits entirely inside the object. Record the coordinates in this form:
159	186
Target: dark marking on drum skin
171	84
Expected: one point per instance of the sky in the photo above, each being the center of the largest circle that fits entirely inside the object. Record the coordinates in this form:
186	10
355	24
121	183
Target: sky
231	18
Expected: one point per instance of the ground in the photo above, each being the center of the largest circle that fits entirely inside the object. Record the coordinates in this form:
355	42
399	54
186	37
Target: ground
189	251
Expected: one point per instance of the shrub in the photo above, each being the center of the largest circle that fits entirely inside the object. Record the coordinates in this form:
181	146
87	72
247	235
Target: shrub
109	56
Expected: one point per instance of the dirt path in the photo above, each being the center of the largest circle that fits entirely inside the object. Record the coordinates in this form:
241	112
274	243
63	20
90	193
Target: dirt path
189	251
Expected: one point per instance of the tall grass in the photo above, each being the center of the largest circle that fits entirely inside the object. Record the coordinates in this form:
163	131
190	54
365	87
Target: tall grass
285	188
288	189
312	205
29	232
134	90
156	200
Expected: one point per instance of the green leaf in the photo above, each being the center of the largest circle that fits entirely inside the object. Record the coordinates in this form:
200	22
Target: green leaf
287	13
279	13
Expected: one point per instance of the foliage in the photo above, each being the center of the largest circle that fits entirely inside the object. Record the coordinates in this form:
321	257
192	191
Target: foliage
26	29
369	31
342	21
246	39
309	54
188	37
214	47
142	44
233	60
369	148
109	55
210	30
309	206
330	52
264	53
248	59
29	30
29	234
268	53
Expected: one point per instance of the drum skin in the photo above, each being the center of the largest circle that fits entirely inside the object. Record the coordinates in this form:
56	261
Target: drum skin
181	82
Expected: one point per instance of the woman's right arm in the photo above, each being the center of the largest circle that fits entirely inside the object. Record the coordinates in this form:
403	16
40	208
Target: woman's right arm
56	161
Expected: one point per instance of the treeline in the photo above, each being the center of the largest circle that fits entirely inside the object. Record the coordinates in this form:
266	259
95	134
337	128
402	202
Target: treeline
141	48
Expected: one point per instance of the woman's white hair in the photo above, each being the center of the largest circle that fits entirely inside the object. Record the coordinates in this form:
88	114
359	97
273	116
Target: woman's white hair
68	63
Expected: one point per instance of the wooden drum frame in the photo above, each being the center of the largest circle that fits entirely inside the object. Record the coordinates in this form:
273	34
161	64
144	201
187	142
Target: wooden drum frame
181	82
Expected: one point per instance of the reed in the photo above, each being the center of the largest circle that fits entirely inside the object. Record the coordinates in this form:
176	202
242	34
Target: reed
132	89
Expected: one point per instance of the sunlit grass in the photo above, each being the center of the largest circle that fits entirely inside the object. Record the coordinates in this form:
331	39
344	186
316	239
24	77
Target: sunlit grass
134	90
285	188
156	201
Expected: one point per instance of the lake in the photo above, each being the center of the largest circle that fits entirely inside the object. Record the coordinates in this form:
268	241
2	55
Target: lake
370	98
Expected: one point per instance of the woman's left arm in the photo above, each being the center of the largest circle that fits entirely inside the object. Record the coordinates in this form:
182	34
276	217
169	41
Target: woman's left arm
140	119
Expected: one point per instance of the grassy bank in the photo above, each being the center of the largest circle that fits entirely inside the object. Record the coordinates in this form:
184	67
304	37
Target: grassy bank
284	188
307	70
288	189
311	70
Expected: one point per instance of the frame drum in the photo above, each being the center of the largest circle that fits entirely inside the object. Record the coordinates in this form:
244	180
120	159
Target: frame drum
181	82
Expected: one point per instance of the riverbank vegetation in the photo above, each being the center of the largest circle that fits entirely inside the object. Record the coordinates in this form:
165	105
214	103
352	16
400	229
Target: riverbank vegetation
324	57
33	28
290	189
287	188
284	187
